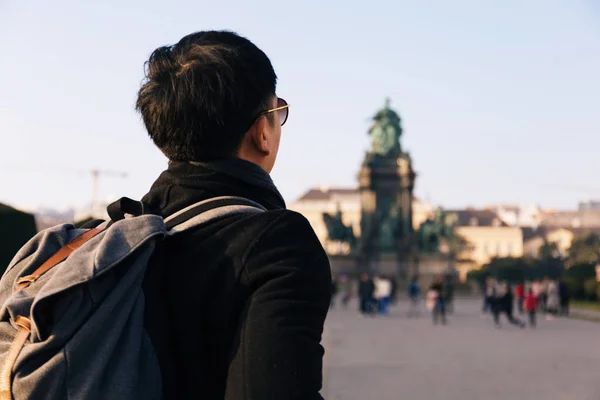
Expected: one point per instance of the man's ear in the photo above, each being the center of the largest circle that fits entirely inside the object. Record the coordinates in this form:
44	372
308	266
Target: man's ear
259	137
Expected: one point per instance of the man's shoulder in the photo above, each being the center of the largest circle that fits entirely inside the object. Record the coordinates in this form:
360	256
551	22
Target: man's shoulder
287	234
286	226
285	217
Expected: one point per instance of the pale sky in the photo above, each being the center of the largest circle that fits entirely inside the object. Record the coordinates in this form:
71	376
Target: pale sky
500	101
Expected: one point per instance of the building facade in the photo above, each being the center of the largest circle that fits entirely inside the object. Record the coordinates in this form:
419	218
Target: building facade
487	235
317	201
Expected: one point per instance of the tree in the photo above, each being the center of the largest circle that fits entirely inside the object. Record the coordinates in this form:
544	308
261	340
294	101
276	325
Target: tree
16	228
510	269
549	251
552	268
590	288
514	270
576	276
478	275
548	263
585	249
575	287
582	271
457	245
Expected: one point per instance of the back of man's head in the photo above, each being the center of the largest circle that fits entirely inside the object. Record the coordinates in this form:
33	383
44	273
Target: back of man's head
203	93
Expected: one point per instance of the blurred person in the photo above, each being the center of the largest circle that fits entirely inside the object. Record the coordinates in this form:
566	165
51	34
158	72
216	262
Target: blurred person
531	306
552	299
366	289
236	307
504	304
346	289
436	301
394	295
334	292
520	295
448	293
543	296
414	294
489	289
563	292
383	292
536	286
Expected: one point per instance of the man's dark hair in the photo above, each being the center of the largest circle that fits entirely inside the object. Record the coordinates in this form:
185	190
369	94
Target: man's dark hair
202	94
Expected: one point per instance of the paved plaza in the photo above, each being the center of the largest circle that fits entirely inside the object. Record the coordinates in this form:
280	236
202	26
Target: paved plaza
400	358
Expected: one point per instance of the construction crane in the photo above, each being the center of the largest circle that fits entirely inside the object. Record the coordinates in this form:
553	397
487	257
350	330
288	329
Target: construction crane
95	173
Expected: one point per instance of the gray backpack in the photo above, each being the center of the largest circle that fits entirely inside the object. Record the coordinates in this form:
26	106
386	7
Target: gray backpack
72	316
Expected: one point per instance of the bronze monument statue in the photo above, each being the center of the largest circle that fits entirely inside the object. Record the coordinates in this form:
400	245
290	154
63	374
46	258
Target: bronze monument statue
386	181
388	244
434	230
385	132
337	230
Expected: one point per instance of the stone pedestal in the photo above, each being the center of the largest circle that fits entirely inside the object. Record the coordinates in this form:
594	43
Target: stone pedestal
386	185
429	266
343	265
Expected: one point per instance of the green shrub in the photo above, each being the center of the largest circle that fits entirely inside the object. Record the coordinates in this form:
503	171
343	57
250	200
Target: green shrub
478	275
590	288
582	271
575	287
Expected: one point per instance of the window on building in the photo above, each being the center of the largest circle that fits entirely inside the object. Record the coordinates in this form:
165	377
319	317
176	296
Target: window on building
490	249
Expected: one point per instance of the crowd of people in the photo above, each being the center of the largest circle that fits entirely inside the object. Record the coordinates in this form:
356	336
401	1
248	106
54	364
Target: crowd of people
547	296
376	293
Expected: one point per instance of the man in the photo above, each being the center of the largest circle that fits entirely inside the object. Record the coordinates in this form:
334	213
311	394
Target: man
436	301
489	288
366	291
448	294
504	303
414	293
383	292
520	294
234	308
346	289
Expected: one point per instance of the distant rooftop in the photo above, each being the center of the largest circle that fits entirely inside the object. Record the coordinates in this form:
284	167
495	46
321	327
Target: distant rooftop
471	217
326	192
506	207
589	218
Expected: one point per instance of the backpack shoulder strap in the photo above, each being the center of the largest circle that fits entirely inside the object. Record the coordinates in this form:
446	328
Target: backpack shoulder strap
60	256
193	215
211	209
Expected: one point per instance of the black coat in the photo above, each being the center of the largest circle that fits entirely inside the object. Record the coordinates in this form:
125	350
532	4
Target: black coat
235	309
366	289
